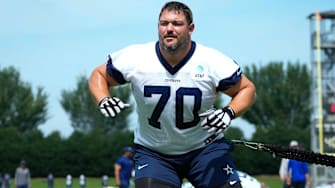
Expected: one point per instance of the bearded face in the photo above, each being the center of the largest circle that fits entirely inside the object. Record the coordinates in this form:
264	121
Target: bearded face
174	32
173	47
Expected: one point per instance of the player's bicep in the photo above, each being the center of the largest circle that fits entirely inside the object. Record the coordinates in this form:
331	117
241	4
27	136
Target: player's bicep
114	72
101	73
99	83
243	83
117	166
233	90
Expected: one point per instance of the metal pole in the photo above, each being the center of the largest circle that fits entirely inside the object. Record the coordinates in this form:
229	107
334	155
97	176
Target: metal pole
319	78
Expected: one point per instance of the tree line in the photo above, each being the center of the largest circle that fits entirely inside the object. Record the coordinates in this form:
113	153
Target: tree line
281	113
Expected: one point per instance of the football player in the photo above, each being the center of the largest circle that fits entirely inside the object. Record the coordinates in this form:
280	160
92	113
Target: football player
175	81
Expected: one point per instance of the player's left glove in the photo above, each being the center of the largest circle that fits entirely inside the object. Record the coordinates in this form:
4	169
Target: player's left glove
217	120
111	106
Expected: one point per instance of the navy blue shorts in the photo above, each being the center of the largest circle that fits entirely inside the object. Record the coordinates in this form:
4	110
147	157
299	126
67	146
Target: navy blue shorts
207	167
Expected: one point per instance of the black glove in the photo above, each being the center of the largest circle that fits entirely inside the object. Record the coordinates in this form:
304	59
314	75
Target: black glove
217	120
111	106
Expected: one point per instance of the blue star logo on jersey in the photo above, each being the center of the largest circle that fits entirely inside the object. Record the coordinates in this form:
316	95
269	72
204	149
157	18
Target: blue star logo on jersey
200	69
199	72
228	169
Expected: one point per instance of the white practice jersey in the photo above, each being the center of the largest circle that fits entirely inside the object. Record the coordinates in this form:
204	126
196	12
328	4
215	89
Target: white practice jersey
169	99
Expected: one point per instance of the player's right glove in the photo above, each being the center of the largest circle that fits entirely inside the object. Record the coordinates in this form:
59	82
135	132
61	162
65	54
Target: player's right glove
217	120
111	106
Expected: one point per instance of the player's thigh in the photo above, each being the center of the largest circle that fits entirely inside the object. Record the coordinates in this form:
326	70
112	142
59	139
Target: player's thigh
151	166
152	183
214	167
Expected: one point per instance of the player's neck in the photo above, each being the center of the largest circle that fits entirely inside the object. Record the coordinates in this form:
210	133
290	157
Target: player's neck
176	57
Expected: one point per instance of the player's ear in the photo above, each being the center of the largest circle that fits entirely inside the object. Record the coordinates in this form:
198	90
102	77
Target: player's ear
191	27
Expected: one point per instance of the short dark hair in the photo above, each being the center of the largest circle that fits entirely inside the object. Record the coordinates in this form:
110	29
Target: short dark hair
178	6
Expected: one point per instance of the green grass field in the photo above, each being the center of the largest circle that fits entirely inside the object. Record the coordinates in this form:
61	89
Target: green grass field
270	181
60	183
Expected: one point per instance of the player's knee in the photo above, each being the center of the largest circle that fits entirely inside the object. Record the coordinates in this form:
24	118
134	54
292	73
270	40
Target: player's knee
152	183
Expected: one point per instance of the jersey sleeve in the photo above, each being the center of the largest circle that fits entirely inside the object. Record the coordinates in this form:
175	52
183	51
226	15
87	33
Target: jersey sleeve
230	81
114	72
120	64
224	71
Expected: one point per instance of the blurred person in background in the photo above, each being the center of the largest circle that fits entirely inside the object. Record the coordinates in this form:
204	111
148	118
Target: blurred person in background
50	180
6	181
123	168
22	176
283	173
68	181
104	181
82	181
298	172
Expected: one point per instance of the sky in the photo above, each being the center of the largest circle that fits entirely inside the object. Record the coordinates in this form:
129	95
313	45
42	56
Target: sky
54	42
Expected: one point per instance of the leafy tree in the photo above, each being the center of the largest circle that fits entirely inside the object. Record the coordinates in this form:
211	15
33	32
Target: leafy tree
52	157
93	153
283	94
281	112
20	108
84	113
10	140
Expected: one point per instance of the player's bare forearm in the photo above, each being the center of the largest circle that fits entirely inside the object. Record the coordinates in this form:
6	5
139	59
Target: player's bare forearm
243	96
99	83
308	181
117	169
243	100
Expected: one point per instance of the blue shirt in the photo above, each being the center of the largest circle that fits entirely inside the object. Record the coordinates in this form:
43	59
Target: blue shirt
298	170
126	169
